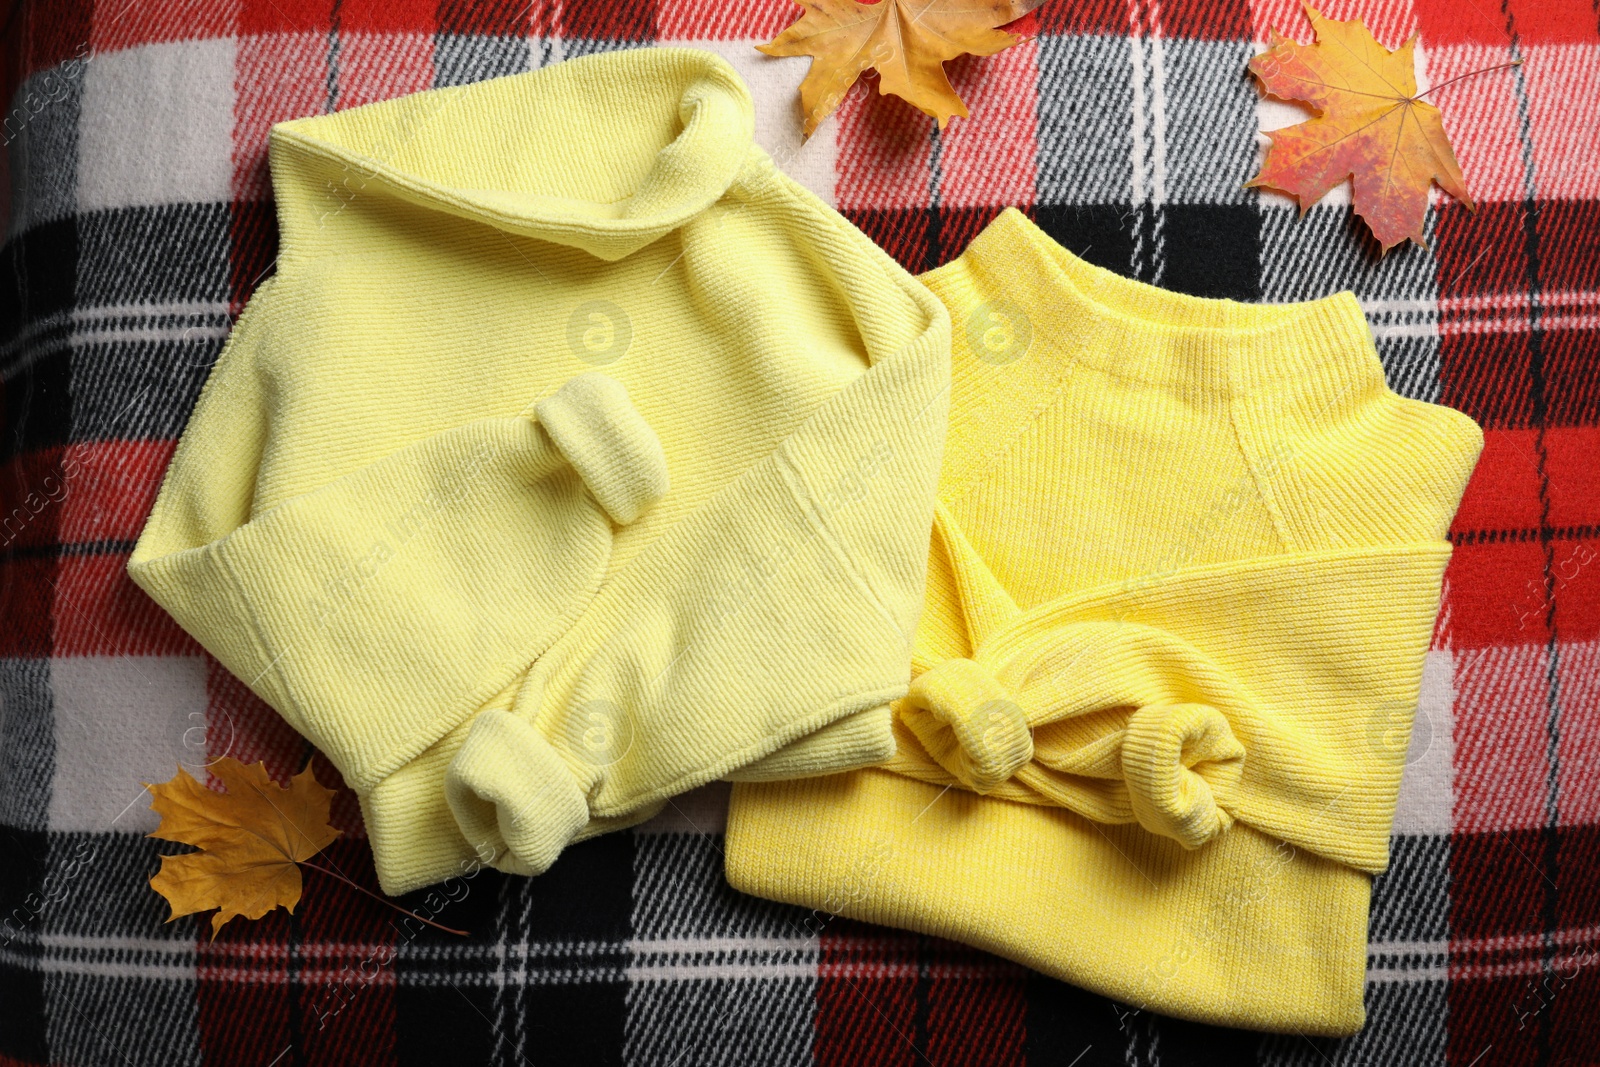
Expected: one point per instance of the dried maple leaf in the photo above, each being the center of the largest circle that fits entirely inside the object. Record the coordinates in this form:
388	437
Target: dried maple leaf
907	41
253	838
1371	125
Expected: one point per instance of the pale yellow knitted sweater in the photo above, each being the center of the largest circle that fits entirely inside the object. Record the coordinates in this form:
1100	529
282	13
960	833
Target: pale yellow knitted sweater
1185	568
574	456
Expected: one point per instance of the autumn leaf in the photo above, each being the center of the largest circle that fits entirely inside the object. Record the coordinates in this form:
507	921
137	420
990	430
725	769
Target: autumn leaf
253	838
908	41
1371	126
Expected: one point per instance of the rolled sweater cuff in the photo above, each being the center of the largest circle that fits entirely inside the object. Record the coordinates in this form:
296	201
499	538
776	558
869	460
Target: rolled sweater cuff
509	785
599	431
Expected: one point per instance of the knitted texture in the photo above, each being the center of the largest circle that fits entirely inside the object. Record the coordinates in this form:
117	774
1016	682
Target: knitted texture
141	220
410	517
1185	568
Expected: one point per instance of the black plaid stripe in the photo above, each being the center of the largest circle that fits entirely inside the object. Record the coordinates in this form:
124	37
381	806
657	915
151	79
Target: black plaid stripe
1406	1023
1209	120
1085	137
716	977
1069	1026
119	981
542	977
573	47
460	59
27	743
38	276
1407	964
22	898
1133	176
151	315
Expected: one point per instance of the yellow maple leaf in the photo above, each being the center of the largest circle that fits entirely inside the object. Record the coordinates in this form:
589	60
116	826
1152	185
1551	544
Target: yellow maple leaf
908	41
253	838
1371	126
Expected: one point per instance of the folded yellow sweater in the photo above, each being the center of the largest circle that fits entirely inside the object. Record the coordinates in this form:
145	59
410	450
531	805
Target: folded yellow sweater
573	457
1185	568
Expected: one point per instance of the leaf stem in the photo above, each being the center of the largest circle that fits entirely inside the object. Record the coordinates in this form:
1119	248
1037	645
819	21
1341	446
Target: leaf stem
1468	74
381	900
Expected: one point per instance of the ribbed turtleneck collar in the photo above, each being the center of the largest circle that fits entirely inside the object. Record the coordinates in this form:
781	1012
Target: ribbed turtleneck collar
1027	315
605	153
1139	331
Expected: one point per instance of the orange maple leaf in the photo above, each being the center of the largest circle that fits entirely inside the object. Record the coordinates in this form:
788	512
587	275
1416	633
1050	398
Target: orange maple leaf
908	41
253	838
1372	126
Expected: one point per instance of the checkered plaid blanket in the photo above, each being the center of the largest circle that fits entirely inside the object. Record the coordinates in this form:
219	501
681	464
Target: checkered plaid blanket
139	221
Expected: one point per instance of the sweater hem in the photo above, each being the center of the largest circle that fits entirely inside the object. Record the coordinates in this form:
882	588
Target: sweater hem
1111	909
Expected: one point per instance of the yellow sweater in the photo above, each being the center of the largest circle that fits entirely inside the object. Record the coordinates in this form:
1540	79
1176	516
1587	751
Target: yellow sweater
1185	567
574	457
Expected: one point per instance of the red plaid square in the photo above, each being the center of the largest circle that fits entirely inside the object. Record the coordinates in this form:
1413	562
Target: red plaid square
989	158
252	247
1578	678
1533	21
1479	254
111	487
381	66
885	150
1091	16
977	1008
1572	465
242	994
1209	20
277	76
29	584
100	612
1485	373
1496	887
348	979
1480	115
723	20
285	16
1498	893
1569	263
34	489
1575	576
121	24
50	34
494	18
1498	594
1541	21
1572	386
1563	81
1501	733
1391	21
866	997
1484	313
388	16
1451	22
1503	494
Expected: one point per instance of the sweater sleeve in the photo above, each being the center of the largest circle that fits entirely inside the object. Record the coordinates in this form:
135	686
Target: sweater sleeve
377	610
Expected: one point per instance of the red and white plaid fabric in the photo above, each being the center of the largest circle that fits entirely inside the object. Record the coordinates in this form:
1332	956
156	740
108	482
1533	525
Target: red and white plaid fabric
138	221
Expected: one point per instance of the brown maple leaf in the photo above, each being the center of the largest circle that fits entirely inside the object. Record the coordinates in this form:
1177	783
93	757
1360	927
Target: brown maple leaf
908	41
1371	126
253	839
